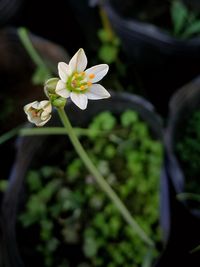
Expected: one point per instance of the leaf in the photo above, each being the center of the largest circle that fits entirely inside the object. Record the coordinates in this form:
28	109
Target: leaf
3	185
108	53
103	36
128	118
192	29
90	247
34	181
179	14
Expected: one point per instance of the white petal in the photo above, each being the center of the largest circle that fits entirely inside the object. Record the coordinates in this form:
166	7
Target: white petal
42	122
45	115
64	71
48	108
99	71
36	105
45	104
79	99
79	61
61	89
28	106
96	92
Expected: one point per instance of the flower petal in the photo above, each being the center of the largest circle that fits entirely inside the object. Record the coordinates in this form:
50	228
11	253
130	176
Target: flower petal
45	104
61	89
27	107
78	62
43	122
96	92
45	115
64	71
99	72
79	99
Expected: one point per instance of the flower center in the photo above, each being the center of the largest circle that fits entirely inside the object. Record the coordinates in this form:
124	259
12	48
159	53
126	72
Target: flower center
35	112
79	82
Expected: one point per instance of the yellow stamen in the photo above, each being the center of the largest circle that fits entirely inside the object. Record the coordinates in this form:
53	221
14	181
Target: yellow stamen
89	83
76	74
82	87
91	76
82	73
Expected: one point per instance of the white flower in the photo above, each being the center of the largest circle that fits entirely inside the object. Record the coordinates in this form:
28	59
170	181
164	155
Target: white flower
38	113
80	84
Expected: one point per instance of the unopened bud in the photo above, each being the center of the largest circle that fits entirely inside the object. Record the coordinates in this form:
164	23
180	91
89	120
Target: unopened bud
59	102
50	86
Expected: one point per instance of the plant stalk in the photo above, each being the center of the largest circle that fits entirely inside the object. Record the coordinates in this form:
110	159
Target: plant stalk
100	180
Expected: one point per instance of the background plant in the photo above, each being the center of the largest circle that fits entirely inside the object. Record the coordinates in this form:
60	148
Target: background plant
70	210
186	23
188	151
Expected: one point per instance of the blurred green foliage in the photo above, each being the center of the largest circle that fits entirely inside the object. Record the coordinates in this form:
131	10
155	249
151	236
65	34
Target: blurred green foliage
186	23
188	152
110	47
71	210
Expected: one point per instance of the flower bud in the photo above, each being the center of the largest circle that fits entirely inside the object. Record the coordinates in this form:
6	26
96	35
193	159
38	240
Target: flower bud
59	102
50	86
38	113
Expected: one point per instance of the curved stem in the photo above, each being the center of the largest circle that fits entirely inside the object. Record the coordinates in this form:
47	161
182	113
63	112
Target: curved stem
23	34
8	135
101	181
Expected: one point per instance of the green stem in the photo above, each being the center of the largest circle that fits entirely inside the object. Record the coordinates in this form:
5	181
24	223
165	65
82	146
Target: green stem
23	34
101	181
8	135
51	131
42	131
106	24
195	249
190	196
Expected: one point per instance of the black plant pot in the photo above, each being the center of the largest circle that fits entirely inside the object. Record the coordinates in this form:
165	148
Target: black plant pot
184	222
33	147
162	63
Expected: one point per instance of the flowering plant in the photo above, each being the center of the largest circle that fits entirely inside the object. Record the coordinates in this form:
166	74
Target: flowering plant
80	85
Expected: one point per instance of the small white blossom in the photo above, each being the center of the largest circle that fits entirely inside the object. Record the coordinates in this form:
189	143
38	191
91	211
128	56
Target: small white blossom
38	113
80	84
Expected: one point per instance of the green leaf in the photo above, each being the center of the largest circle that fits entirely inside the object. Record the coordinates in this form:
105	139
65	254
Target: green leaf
179	15
192	29
34	181
104	121
108	53
128	118
103	36
3	185
90	247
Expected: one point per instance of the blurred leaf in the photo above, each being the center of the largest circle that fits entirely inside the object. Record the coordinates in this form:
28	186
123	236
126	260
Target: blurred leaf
90	247
108	53
179	15
3	185
48	171
193	29
103	36
128	118
47	192
34	181
52	244
104	121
